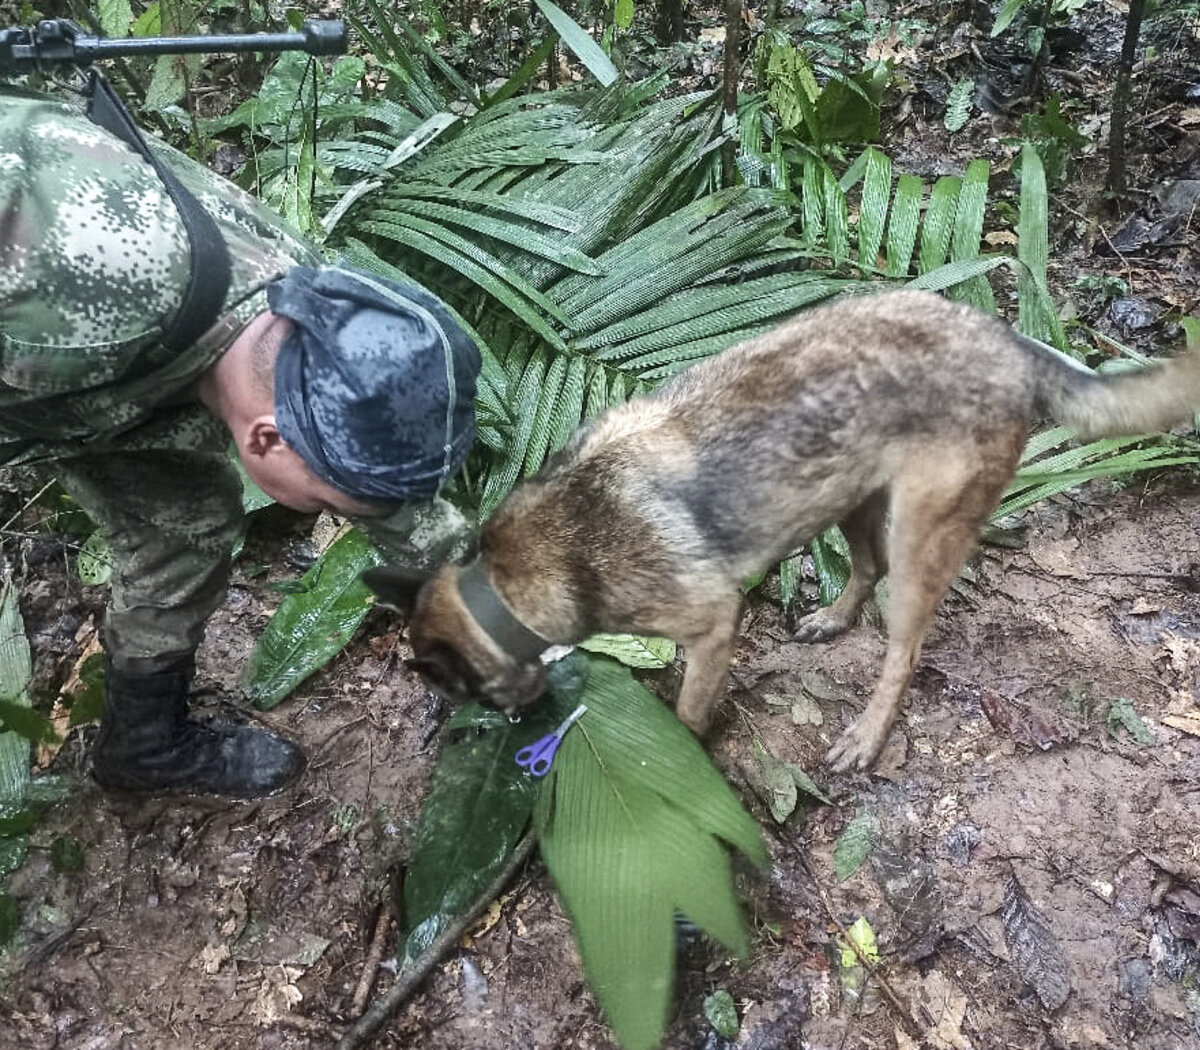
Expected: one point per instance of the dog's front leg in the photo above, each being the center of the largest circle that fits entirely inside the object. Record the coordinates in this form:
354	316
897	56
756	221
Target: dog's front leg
708	657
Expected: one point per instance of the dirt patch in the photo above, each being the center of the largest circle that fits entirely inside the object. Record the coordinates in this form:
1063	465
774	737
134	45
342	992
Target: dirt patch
222	928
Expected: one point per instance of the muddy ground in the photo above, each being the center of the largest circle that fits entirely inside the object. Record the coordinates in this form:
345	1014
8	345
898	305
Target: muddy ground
1036	882
226	928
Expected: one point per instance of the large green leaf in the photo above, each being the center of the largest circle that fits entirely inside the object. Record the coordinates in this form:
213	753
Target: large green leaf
315	622
1036	313
577	39
968	228
872	216
477	806
938	226
15	670
631	821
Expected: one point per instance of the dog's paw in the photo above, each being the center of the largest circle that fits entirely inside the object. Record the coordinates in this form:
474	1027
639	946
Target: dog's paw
819	627
857	747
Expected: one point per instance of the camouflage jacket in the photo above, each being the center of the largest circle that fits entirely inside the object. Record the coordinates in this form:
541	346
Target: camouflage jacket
93	266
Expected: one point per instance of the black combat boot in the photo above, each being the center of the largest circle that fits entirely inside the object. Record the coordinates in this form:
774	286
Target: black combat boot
146	743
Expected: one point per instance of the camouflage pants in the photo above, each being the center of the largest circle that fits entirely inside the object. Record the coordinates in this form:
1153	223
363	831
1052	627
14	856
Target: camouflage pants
172	518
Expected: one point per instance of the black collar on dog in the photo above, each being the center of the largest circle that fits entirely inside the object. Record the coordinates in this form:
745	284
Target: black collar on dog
490	612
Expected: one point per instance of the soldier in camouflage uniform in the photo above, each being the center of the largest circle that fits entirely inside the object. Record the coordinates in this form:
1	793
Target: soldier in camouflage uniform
340	391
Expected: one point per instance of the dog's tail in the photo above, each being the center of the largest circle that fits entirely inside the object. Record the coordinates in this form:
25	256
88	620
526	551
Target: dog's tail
1144	401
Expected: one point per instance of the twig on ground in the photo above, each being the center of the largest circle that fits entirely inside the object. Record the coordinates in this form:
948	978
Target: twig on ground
873	972
366	982
410	978
312	1026
31	501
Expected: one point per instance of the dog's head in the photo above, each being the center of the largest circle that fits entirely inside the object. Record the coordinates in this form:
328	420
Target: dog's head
451	651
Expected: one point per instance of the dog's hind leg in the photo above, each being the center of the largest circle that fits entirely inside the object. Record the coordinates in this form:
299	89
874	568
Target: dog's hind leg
936	517
707	669
866	536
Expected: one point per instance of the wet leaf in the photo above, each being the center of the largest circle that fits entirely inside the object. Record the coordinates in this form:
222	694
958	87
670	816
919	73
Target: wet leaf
477	716
312	627
832	564
781	786
1033	948
24	720
1121	715
721	1012
859	935
10	918
790	574
806	784
66	855
1020	722
87	702
910	885
632	820
632	650
17	821
15	669
805	712
854	845
477	806
821	686
94	563
12	853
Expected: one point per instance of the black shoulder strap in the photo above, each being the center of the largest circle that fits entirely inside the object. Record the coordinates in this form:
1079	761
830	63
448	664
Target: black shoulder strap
208	281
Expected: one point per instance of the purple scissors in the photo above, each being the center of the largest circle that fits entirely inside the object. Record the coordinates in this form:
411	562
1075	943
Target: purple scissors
536	758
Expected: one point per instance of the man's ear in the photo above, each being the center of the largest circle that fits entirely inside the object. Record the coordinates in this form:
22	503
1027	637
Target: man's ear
395	585
261	436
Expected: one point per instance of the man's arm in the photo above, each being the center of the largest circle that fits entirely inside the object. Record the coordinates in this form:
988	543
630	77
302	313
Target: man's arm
422	534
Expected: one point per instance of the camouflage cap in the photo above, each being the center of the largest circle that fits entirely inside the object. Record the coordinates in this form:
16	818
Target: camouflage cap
375	383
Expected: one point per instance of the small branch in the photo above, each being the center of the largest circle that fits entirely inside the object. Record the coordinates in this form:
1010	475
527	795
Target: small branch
873	971
1117	173
366	982
733	40
408	980
32	500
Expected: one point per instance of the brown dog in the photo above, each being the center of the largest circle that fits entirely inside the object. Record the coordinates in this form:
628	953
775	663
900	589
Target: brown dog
900	405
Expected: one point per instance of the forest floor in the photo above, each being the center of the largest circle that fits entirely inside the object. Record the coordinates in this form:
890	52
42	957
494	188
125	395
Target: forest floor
1036	880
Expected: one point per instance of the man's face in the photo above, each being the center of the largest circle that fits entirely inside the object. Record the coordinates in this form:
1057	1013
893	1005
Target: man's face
286	478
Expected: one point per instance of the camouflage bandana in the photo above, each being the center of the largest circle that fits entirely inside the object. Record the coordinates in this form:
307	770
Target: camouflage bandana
375	384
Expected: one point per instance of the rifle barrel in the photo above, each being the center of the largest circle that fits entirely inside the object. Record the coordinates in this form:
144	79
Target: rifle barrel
319	38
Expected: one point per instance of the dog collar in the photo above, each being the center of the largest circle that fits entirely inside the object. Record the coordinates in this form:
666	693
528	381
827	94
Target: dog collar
496	619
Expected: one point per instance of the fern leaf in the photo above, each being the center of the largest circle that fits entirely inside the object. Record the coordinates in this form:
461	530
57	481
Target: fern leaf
812	201
837	223
938	226
873	209
473	262
968	228
958	105
548	401
568	407
504	475
903	224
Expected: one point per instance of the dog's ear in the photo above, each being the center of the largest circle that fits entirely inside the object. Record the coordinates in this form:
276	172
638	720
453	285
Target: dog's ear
395	585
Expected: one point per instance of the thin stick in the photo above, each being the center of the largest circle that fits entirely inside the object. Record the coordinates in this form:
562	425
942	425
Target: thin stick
366	981
409	979
32	500
873	971
733	27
